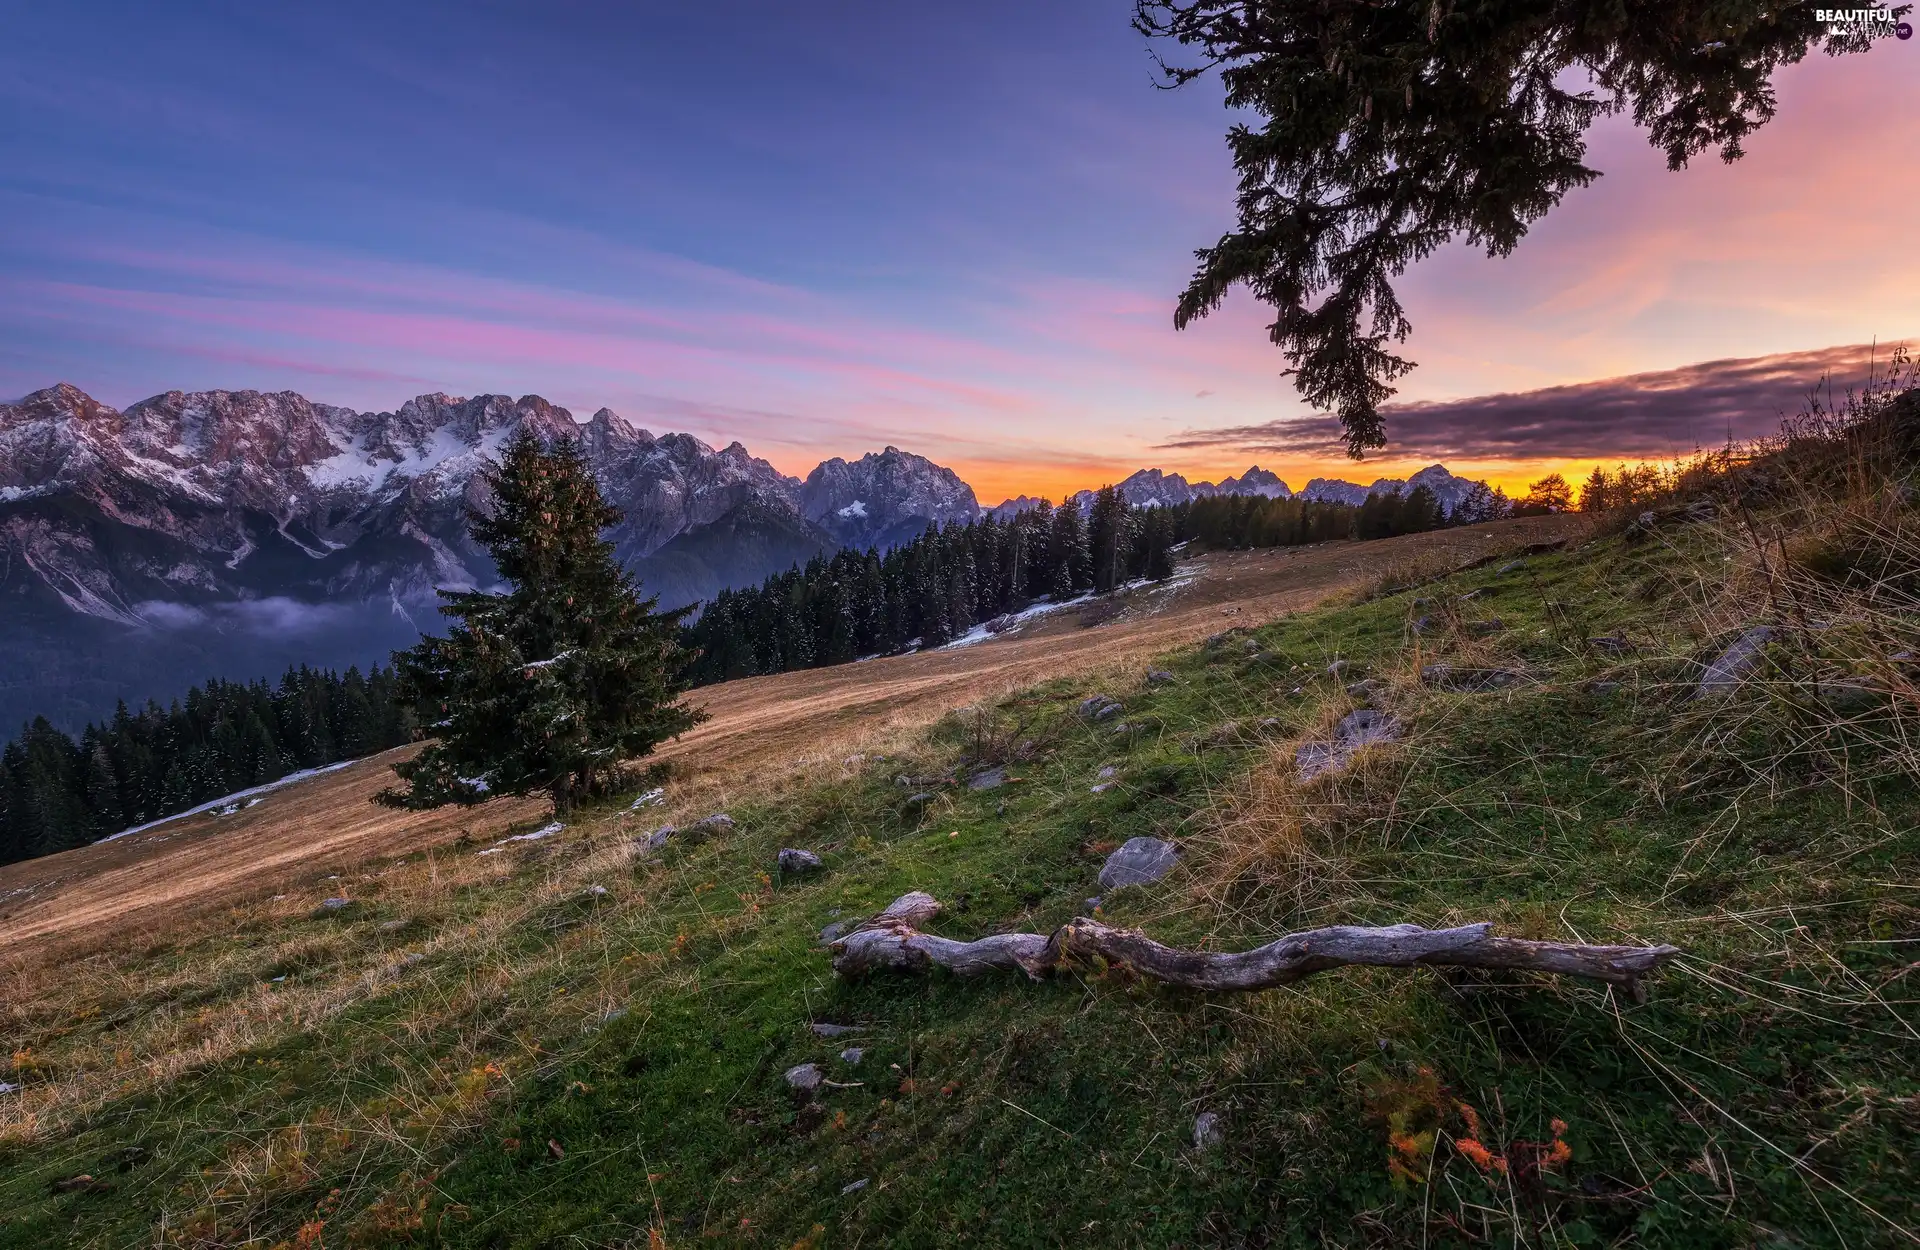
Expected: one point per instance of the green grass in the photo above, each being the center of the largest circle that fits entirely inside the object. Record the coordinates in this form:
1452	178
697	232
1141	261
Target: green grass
1766	1094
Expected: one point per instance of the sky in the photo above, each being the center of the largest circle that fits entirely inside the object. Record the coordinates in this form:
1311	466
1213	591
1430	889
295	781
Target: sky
823	229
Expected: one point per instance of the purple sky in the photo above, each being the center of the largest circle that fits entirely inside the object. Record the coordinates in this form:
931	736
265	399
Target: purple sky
820	229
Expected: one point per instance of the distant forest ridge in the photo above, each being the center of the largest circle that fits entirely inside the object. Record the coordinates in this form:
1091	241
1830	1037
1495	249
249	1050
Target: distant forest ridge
960	576
58	792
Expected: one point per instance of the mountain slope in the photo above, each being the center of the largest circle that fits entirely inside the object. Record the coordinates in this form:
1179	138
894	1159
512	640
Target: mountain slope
885	498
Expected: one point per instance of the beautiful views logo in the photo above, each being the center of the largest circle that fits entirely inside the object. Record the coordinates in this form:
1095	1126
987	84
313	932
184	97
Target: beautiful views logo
1874	23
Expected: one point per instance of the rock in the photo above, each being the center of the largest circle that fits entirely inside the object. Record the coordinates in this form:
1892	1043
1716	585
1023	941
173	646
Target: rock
1206	1131
1269	723
1262	657
1848	695
852	1055
988	779
1092	905
806	1077
853	1188
335	904
391	925
1447	677
1338	668
833	932
713	826
833	1030
1139	861
1365	689
1099	707
1108	771
1609	645
999	624
1733	664
1423	625
657	840
796	862
1250	646
1102	788
1357	729
1509	567
1160	677
596	891
921	799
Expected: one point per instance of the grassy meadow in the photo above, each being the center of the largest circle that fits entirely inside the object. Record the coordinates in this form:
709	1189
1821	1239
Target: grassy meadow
563	1043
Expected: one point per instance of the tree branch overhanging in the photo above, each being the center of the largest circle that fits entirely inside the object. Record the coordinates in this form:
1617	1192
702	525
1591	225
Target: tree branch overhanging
893	942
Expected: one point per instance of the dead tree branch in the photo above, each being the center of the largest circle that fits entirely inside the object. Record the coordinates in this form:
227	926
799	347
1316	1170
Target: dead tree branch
892	941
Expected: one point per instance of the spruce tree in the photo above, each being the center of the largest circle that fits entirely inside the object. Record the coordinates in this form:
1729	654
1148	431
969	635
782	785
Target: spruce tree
551	685
1382	129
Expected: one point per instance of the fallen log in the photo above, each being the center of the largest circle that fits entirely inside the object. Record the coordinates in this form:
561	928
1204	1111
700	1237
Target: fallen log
892	942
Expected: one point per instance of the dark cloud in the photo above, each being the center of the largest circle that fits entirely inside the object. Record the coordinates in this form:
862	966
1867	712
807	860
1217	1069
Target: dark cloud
1645	415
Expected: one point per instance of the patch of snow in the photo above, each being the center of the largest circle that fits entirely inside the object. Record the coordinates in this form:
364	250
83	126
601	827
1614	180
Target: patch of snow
656	795
232	800
546	831
858	508
1013	622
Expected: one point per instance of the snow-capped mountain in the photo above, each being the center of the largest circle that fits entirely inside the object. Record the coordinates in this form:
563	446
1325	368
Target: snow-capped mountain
1008	509
884	498
1152	488
1255	481
1447	487
236	529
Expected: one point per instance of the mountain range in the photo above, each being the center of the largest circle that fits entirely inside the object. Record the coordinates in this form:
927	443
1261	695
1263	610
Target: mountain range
234	532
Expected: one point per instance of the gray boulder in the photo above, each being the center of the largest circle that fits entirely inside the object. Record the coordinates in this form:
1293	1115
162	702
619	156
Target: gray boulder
1357	729
1099	707
988	779
1160	677
1735	663
1207	1133
807	1076
714	826
795	862
852	1055
824	1029
1138	862
1445	676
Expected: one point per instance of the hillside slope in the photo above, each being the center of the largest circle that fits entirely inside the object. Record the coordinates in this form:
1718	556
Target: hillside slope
561	1041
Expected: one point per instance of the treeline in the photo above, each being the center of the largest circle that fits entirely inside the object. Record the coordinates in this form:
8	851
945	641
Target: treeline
57	793
955	577
929	591
1241	521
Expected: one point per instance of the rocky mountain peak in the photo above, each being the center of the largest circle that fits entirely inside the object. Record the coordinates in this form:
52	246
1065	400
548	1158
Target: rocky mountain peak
884	498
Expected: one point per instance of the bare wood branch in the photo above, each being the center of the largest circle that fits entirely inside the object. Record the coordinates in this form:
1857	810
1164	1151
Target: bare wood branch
891	942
